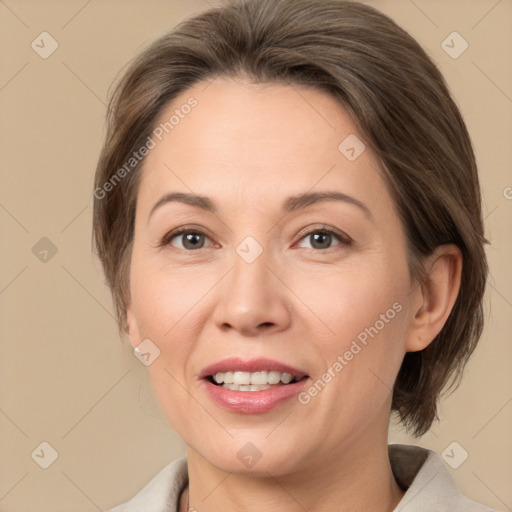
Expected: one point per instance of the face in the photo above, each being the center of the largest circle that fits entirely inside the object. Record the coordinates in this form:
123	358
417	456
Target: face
319	287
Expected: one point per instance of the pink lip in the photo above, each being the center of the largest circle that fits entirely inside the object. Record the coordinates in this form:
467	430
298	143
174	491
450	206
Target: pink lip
250	365
252	402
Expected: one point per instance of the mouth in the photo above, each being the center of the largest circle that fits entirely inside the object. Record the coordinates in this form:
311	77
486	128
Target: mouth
252	386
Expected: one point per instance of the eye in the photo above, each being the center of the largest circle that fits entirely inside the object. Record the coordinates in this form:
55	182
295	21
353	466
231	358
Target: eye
321	239
191	239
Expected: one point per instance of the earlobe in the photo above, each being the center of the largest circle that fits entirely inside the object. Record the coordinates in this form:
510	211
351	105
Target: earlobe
435	296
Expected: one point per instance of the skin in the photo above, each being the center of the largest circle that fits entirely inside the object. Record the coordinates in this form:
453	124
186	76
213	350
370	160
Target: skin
302	301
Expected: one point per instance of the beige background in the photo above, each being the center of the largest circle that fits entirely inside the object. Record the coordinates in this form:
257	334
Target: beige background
65	377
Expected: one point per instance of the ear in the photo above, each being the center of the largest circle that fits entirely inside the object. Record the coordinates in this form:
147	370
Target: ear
133	329
434	297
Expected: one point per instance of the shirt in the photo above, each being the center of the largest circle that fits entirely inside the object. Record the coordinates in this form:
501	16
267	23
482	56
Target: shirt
430	486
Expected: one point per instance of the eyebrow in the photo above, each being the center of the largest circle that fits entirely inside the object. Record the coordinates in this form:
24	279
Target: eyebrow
291	204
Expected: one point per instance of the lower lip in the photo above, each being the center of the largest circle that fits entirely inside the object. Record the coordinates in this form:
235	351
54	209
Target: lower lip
253	402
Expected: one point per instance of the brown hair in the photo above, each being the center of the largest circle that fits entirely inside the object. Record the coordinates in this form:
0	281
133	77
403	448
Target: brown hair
396	96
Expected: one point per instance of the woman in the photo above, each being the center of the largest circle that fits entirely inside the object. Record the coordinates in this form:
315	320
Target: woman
287	210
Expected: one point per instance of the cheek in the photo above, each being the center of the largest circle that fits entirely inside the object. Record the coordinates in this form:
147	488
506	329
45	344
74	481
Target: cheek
169	306
166	304
347	301
362	350
361	318
165	299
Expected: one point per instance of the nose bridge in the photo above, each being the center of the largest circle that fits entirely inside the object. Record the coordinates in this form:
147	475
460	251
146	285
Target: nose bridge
250	278
251	297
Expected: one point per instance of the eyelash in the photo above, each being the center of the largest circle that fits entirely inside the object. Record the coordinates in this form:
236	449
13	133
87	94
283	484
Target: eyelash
344	240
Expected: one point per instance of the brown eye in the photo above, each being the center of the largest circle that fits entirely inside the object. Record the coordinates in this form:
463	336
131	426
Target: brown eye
322	239
190	239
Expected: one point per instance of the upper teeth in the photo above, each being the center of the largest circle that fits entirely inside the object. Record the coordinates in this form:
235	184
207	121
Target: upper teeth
252	378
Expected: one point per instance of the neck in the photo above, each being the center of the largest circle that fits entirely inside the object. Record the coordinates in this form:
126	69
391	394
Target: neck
357	478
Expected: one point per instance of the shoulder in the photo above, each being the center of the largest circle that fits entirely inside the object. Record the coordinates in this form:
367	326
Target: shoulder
428	481
162	492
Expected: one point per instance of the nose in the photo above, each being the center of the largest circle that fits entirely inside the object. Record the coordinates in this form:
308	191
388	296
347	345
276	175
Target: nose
253	299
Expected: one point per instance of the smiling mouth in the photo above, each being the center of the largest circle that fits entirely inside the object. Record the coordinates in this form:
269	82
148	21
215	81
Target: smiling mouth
253	381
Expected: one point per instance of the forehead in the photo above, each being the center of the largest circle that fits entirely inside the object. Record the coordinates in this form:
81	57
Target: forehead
255	140
228	112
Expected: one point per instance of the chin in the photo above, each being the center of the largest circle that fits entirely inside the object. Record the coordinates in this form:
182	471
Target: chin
257	458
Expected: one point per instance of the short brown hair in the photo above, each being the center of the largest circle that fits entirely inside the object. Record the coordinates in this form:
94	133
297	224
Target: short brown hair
400	103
